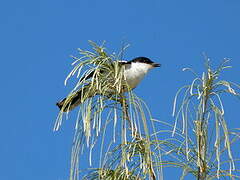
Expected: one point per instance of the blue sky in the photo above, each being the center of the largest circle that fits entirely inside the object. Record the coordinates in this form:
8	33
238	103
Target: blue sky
37	38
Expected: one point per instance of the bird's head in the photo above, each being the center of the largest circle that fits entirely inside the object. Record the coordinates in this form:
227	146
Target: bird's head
146	62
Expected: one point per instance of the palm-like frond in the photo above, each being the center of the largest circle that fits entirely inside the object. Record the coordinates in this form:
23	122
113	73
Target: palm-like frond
202	113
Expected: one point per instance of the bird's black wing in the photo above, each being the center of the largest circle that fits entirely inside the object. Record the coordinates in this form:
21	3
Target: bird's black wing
88	75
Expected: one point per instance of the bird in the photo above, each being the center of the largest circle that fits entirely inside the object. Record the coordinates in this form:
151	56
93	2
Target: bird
133	71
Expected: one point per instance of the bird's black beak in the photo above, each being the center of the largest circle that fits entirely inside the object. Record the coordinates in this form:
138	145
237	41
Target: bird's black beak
156	65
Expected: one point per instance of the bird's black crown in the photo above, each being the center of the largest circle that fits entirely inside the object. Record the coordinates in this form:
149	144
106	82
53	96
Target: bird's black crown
142	60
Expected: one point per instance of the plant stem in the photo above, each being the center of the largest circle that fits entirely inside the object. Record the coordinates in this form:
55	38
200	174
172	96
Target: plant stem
202	128
135	134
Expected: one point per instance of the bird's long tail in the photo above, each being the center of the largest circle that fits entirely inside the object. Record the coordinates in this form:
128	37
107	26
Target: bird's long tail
69	103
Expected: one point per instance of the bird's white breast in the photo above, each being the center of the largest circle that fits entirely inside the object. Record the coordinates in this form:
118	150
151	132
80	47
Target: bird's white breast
135	72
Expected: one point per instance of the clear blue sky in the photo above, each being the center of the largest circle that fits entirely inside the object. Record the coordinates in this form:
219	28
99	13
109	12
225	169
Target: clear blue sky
37	37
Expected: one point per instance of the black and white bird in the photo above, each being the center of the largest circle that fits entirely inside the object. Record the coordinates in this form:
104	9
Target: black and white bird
133	71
